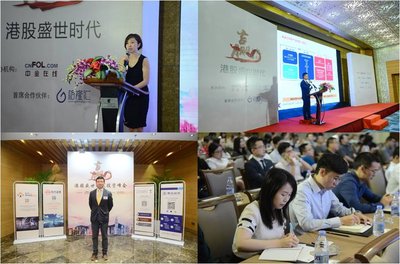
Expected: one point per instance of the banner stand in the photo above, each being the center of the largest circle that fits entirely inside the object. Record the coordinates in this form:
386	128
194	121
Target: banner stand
144	211
171	212
53	208
39	239
23	194
26	217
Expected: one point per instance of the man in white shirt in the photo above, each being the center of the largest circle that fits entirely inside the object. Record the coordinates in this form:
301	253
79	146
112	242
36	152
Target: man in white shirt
392	173
315	201
291	162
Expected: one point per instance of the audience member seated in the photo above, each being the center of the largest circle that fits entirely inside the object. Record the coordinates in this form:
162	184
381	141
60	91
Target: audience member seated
264	223
320	146
386	151
332	146
392	174
346	150
257	167
215	160
353	185
307	154
239	148
220	142
291	162
315	201
275	156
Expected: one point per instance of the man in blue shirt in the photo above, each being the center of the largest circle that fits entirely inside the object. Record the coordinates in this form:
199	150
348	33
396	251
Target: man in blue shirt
315	206
353	185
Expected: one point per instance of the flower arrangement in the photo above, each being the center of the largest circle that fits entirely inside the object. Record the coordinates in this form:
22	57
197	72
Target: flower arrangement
98	67
326	87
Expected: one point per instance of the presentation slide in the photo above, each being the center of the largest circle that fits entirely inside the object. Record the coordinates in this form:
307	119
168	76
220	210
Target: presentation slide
297	55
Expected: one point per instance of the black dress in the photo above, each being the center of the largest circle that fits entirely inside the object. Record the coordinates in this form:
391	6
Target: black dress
136	106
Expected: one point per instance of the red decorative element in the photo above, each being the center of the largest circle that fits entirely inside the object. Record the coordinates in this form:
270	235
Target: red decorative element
44	6
235	47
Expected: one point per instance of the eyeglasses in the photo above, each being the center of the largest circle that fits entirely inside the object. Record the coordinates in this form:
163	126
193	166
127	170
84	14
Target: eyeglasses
336	179
373	171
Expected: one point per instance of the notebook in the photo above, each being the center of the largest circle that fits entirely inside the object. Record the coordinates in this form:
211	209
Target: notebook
359	229
300	253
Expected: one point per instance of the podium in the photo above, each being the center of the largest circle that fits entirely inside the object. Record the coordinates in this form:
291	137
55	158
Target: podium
113	95
319	99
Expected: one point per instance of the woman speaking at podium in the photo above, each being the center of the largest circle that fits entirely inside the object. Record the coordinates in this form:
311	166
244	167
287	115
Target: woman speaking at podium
137	74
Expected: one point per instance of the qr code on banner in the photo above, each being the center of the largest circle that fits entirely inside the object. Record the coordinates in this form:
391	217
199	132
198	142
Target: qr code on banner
171	206
144	203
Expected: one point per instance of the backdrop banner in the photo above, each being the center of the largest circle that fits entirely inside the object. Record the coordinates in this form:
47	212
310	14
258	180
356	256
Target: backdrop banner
238	87
362	85
83	169
172	210
26	206
53	209
144	209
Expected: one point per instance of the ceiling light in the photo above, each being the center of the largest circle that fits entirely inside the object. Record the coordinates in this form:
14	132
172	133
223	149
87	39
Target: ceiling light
38	152
51	161
23	141
154	162
169	154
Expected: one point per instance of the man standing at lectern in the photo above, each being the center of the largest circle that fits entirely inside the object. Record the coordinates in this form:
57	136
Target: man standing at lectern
100	203
305	95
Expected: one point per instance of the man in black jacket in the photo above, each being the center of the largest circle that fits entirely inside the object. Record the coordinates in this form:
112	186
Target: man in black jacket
257	167
305	95
100	203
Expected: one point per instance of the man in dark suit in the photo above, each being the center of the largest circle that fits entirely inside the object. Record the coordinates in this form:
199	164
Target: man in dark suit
305	95
100	203
257	167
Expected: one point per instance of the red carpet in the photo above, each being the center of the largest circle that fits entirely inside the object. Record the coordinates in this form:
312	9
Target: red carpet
346	119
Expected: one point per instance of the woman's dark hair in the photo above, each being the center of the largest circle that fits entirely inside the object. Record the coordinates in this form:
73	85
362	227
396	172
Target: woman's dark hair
275	179
236	146
212	148
137	38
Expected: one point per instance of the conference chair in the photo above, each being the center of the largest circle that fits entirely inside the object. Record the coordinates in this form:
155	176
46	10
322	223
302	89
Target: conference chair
242	200
218	218
387	243
216	180
238	164
378	183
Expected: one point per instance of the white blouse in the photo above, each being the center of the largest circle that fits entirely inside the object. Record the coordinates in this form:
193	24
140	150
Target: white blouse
217	164
250	219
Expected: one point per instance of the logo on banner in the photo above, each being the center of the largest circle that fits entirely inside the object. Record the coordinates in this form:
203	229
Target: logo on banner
99	172
44	6
242	52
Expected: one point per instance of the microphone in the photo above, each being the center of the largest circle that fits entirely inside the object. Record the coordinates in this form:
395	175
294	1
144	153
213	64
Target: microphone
126	62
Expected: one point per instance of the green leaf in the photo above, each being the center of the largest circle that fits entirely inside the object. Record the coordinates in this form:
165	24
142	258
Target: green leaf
98	75
102	75
87	72
97	58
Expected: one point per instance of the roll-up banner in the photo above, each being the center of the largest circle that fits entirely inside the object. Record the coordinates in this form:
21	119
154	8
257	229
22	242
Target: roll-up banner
26	212
53	209
172	212
144	210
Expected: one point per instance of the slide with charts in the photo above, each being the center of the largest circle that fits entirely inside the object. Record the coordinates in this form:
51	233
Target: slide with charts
296	56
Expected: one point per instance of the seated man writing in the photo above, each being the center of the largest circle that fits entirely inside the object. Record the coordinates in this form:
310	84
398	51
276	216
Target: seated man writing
315	206
353	185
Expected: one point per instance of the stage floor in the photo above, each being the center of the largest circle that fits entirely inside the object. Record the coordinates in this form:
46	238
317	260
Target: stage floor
346	119
122	249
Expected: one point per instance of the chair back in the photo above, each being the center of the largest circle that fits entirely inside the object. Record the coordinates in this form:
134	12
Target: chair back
218	220
242	200
378	183
386	241
216	180
238	164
